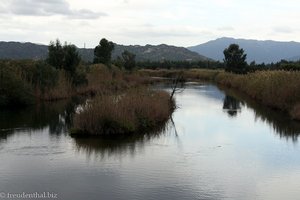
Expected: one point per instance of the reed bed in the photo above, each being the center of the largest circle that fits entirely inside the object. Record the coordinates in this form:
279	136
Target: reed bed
278	89
103	81
191	74
135	111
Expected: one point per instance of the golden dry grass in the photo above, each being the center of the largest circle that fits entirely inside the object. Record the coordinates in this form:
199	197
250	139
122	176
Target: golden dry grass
134	111
192	74
278	89
62	90
102	80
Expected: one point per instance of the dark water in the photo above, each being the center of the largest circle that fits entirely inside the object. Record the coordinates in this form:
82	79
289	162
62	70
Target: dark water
219	148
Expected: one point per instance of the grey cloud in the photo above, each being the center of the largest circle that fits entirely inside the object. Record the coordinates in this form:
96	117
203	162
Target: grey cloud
3	6
282	30
152	31
226	28
86	14
49	8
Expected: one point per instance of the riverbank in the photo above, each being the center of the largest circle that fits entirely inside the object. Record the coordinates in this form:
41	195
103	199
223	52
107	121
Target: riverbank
28	82
277	89
121	102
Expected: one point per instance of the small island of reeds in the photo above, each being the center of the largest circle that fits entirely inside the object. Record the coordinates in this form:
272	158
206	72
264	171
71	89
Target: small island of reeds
134	111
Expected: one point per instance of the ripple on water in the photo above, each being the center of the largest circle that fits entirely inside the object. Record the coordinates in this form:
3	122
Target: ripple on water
37	150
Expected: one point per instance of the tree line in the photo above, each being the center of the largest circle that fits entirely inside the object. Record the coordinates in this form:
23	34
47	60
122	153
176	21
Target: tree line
235	61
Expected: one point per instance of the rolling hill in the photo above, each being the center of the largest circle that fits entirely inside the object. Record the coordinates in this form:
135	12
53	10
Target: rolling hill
259	51
17	50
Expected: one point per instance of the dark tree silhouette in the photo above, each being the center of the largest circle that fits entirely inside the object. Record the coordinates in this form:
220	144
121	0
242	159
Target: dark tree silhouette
235	59
55	54
129	60
71	58
65	57
102	52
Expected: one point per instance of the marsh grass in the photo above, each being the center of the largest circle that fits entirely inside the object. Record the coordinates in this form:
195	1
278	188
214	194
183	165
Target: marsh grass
278	89
187	75
135	111
103	80
27	82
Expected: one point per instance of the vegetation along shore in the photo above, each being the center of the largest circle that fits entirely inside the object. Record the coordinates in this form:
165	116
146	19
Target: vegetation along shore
122	100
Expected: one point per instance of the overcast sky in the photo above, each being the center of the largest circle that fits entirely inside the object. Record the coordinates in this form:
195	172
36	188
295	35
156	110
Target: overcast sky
175	22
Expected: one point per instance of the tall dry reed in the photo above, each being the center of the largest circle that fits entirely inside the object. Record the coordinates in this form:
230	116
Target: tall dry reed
136	110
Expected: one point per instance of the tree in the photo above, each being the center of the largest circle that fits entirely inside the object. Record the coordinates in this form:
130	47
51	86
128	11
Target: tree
119	62
55	54
71	58
102	52
64	57
235	59
129	60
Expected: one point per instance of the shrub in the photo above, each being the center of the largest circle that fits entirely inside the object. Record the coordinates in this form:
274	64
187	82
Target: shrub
14	89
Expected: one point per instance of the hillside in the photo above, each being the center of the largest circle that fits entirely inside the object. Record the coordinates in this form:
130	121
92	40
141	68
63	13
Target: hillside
260	51
17	50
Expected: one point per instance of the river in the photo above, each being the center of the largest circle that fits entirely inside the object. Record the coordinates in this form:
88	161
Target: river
219	147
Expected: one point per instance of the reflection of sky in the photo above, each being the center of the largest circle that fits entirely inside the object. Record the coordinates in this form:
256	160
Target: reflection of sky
214	156
246	152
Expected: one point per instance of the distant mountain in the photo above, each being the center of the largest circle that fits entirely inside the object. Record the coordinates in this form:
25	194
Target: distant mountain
295	58
159	52
17	50
259	51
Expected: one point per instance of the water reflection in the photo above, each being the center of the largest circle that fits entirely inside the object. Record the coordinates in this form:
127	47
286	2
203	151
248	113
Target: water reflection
57	116
278	120
231	105
213	156
119	145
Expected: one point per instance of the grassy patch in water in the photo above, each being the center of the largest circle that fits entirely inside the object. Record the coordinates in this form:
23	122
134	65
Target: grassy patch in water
137	110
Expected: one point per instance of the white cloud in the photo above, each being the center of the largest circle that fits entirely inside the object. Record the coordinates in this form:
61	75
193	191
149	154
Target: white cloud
49	8
283	29
176	22
225	28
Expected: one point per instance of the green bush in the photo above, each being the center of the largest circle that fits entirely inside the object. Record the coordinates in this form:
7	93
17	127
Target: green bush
14	89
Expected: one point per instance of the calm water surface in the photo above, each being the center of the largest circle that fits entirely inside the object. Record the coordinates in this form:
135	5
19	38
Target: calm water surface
219	148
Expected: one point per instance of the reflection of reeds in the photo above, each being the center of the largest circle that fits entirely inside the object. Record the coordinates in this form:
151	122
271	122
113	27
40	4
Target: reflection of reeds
278	89
118	144
57	116
278	120
133	111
